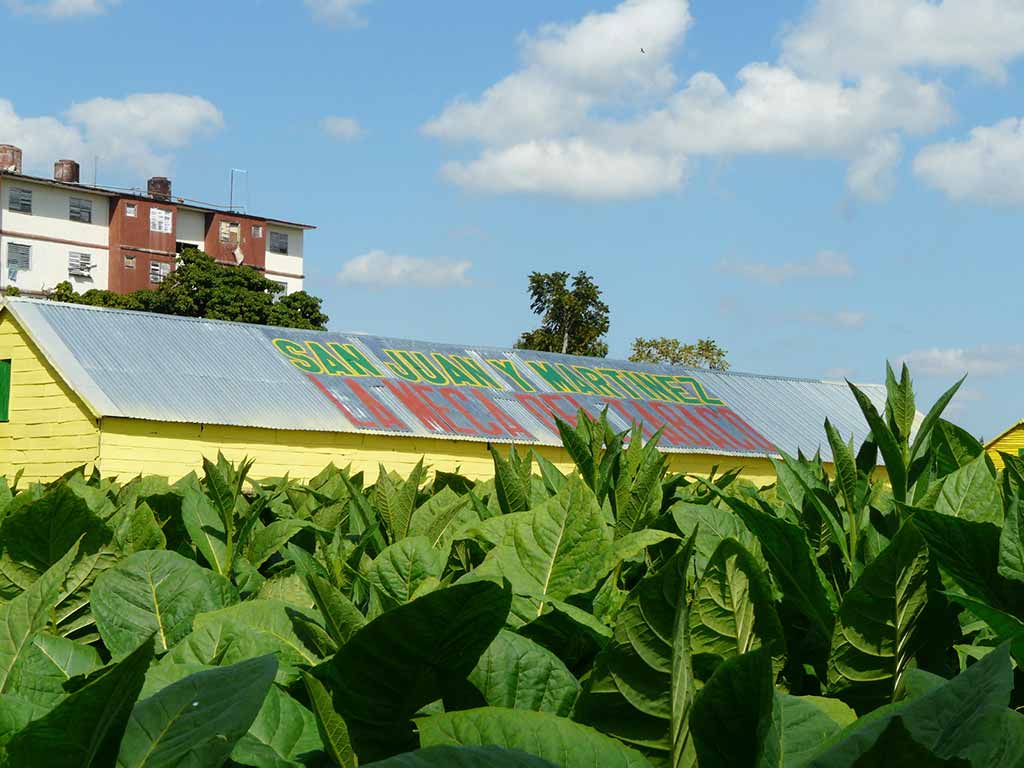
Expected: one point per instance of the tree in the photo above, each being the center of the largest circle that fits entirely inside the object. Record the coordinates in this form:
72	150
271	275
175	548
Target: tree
704	354
572	321
200	287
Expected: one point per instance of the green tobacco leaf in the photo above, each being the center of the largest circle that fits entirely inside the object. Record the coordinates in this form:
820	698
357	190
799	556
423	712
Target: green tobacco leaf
244	631
395	499
204	527
40	533
642	687
971	493
517	673
820	498
48	663
732	714
268	540
636	497
966	718
341	617
802	724
899	402
561	741
136	529
846	471
84	729
967	553
405	658
792	565
1007	628
563	548
732	611
509	486
1011	541
441	516
896	748
464	757
332	729
877	632
283	735
401	568
24	616
553	478
928	423
578	446
154	592
953	447
887	443
713	524
196	721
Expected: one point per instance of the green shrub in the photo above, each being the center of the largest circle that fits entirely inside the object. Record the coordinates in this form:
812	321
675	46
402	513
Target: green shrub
620	616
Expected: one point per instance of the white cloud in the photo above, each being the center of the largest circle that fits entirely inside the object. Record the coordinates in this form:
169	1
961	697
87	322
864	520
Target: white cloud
379	269
616	57
984	360
843	320
132	133
574	168
341	128
823	264
342	12
62	9
871	174
987	167
846	38
589	83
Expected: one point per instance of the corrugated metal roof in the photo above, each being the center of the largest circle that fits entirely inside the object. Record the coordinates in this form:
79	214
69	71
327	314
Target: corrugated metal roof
156	367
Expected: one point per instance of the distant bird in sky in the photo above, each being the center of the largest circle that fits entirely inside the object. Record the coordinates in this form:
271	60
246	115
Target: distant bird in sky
642	51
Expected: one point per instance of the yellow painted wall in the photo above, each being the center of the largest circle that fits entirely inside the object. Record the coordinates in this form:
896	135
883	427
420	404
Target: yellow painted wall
130	447
1011	442
50	430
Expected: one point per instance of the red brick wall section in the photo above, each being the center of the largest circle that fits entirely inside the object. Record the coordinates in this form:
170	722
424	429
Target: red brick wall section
133	236
254	249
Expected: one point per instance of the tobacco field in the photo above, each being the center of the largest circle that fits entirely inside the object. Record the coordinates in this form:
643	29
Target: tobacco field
865	613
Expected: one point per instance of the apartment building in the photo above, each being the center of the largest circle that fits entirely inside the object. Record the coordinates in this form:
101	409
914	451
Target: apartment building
59	229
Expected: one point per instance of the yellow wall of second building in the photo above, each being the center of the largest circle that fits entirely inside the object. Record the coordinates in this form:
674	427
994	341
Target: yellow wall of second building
49	430
130	447
1012	442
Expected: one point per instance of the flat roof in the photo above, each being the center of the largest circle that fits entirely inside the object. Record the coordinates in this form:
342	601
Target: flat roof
181	202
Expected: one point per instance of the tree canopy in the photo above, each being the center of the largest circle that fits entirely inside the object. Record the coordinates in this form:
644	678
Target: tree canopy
704	354
573	320
200	287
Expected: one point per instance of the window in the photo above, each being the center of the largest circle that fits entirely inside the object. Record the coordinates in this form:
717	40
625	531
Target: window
278	242
180	247
284	286
160	220
158	270
131	210
80	264
129	261
19	259
5	390
229	232
20	200
257	230
80	210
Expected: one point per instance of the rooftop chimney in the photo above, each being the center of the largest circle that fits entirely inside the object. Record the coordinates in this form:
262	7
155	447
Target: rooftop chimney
159	187
10	158
66	171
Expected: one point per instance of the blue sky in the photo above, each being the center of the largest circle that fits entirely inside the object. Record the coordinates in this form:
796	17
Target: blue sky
819	185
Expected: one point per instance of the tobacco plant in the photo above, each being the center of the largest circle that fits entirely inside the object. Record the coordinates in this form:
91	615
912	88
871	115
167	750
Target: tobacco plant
852	613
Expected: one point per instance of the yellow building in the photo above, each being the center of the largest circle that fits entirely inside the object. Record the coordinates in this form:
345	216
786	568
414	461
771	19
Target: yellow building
1011	441
133	392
